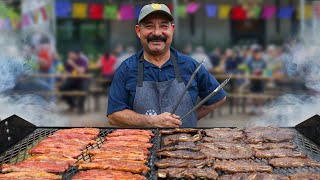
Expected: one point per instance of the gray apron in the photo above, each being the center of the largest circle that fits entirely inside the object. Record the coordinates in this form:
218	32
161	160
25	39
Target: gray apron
154	98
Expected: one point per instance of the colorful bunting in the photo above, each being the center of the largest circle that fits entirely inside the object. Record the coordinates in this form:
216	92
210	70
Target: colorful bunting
182	10
137	11
285	12
170	6
268	11
79	10
211	10
238	13
95	11
224	11
63	9
307	11
254	13
111	12
127	12
193	7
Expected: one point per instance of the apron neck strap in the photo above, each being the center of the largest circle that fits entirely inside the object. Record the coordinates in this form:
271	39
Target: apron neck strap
141	66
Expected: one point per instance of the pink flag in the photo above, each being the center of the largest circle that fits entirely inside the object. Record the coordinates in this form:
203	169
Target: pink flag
193	7
268	11
127	12
25	20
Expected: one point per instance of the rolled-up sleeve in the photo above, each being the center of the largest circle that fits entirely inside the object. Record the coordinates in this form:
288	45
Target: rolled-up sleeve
118	98
206	84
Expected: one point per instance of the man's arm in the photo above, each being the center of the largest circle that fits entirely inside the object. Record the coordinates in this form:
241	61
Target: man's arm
203	110
129	118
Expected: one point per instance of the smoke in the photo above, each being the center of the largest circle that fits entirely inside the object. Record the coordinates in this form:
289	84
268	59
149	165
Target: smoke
302	62
17	87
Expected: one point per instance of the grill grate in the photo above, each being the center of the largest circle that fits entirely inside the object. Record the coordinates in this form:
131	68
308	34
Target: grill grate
19	152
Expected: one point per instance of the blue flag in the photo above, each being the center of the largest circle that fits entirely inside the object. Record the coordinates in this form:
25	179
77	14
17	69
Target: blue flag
285	12
211	10
63	9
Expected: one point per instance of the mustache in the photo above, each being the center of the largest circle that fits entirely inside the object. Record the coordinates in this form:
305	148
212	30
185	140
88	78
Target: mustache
157	38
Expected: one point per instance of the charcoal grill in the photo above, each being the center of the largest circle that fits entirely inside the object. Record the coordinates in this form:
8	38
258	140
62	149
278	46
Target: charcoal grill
18	136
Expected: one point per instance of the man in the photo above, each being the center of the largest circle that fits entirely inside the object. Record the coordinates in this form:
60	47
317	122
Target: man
147	85
75	65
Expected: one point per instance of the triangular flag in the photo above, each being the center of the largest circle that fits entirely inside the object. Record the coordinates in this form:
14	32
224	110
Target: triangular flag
110	11
193	7
96	11
307	12
224	11
268	11
79	10
7	24
238	13
182	10
62	8
137	11
211	10
254	12
285	12
170	6
44	13
126	12
25	20
36	15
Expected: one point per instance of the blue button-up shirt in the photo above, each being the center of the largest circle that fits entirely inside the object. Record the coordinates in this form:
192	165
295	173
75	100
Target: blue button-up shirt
123	87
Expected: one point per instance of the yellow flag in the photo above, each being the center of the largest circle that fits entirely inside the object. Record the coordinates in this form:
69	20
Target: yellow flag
307	12
224	11
79	10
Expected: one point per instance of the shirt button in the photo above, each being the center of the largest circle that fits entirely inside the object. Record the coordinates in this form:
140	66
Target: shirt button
160	70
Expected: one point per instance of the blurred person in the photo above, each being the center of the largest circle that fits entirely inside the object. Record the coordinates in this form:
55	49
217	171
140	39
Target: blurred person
129	52
215	56
75	65
199	55
231	61
187	50
256	66
146	86
107	63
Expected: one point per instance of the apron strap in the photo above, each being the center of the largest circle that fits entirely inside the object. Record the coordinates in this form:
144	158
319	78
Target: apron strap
141	66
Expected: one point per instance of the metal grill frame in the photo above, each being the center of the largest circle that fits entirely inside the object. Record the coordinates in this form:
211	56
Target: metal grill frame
19	151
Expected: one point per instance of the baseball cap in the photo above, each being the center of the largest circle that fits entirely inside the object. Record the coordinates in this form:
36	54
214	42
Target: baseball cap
154	7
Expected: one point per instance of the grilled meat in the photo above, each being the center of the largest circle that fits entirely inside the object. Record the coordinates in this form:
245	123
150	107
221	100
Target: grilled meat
30	175
126	132
179	130
52	157
253	176
262	146
274	153
65	152
305	176
238	166
188	173
117	165
268	134
119	149
221	139
182	137
106	175
183	154
181	146
182	163
90	131
120	155
29	165
222	145
225	134
230	153
127	144
140	138
287	162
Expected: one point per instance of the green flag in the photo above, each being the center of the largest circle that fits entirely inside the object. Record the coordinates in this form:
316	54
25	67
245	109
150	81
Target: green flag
181	10
111	12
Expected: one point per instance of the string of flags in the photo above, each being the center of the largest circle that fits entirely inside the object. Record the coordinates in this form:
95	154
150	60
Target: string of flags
9	19
99	11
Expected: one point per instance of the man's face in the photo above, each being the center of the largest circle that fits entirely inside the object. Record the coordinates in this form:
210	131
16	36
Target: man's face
155	33
72	55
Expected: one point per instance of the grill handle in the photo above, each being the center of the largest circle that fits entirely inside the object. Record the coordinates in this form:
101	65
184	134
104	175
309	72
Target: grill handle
310	128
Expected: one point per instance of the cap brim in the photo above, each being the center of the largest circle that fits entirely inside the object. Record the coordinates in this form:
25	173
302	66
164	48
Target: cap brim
157	11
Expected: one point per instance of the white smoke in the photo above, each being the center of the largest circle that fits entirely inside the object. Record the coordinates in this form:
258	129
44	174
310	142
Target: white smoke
291	109
27	105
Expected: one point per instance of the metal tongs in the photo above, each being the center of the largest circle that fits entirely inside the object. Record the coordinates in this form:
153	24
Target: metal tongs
214	92
187	87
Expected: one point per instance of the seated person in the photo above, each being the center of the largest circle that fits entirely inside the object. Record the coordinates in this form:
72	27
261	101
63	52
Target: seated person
75	65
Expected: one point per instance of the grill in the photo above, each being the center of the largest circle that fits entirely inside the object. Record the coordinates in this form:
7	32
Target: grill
21	141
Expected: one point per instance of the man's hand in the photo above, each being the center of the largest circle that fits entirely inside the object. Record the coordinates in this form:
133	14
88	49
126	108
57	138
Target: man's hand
166	120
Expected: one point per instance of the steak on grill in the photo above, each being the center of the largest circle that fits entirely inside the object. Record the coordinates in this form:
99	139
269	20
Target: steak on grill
127	144
230	153
182	137
140	138
106	175
238	166
182	154
182	163
235	134
221	145
28	165
274	153
287	162
262	146
188	173
305	176
253	176
179	130
126	132
181	146
268	134
30	175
